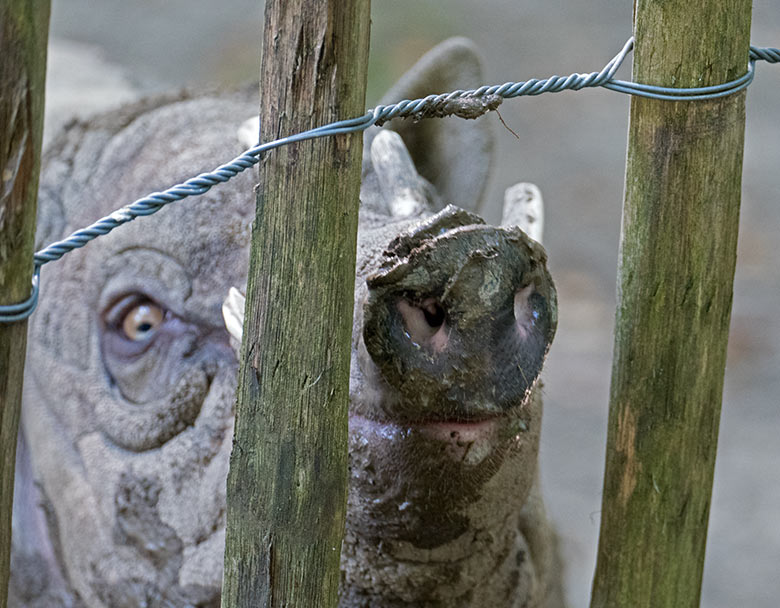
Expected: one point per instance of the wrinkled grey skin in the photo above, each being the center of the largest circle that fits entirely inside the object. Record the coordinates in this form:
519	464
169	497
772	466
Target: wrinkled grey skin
120	495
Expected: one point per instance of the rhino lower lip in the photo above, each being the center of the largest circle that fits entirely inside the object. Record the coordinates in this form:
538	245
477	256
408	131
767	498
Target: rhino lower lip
439	430
464	431
468	443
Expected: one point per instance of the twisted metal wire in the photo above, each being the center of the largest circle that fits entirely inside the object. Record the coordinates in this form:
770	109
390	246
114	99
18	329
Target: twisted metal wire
202	183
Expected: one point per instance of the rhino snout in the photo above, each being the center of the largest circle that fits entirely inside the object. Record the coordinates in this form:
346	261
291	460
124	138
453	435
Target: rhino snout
459	319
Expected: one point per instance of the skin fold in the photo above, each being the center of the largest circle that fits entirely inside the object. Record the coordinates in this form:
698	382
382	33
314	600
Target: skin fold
129	399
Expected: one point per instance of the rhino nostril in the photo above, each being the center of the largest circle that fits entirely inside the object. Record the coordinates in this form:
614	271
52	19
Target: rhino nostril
423	320
526	309
433	312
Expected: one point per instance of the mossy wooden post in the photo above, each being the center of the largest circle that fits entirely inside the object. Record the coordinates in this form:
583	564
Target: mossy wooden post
288	470
675	282
24	30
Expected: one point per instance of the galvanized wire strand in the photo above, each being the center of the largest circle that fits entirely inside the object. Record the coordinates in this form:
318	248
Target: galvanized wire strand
19	312
202	183
767	54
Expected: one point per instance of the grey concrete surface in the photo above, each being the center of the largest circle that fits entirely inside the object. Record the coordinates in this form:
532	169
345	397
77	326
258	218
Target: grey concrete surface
573	146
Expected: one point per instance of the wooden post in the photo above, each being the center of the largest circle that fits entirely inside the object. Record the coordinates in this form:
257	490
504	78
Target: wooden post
288	470
24	30
675	282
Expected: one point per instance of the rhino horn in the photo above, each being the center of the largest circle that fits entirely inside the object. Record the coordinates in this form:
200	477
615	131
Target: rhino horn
233	315
401	186
524	208
248	132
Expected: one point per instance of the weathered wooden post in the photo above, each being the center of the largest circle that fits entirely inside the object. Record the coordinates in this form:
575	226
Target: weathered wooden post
24	31
288	469
675	278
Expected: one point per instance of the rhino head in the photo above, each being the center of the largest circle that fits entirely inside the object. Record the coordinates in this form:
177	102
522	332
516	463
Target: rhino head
129	399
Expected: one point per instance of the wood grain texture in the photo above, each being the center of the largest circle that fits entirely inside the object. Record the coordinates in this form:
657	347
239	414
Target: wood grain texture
675	284
24	27
288	470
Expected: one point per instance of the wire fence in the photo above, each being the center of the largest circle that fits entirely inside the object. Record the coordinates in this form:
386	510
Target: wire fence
469	103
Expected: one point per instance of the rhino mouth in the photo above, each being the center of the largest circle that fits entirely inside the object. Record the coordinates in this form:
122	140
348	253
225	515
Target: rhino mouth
467	443
427	483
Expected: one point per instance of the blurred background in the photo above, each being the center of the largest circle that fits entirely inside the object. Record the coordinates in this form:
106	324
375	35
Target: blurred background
572	145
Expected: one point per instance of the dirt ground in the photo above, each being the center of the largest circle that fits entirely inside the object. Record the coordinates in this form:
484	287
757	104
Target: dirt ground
573	146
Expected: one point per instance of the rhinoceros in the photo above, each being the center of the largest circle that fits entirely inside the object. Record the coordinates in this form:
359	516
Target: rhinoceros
129	397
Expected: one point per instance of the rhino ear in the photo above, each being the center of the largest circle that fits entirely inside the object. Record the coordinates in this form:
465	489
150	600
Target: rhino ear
453	154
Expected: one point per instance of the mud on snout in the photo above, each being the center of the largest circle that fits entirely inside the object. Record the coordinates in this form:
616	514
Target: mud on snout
457	323
459	319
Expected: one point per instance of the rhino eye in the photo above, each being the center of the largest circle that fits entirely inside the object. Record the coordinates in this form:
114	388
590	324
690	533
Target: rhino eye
132	323
142	320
